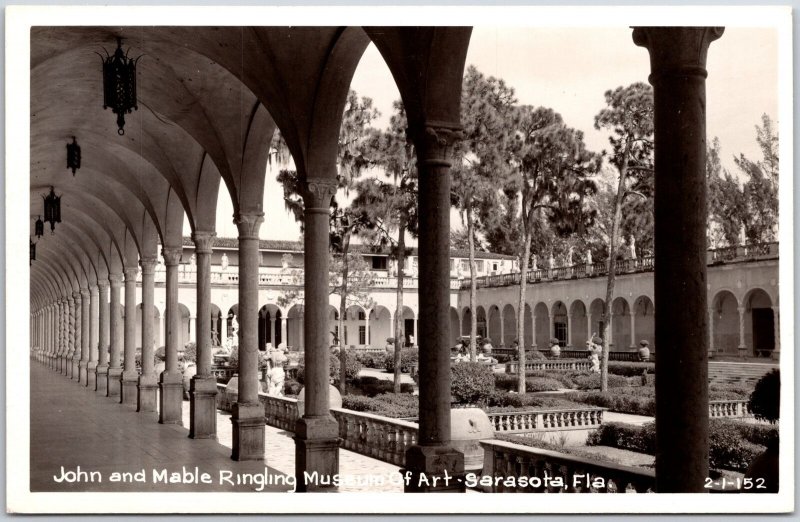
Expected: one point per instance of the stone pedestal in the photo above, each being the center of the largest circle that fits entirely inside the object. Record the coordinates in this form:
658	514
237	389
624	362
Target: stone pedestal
434	469
203	407
171	398
91	375
129	388
316	451
114	376
101	386
147	392
248	431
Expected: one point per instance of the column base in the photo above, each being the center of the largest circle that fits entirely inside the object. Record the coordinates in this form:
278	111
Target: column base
114	375
83	375
776	355
171	398
91	375
62	365
316	453
248	431
434	469
129	388
203	407
742	351
101	384
147	394
75	372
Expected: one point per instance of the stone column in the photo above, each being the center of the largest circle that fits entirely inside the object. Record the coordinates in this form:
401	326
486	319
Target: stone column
284	339
147	384
569	330
633	330
742	344
115	340
171	379
130	377
534	346
588	325
317	432
272	330
203	386
248	413
75	374
94	336
60	336
302	329
501	341
68	369
710	333
677	63
776	352
102	362
366	329
85	328
434	455
192	329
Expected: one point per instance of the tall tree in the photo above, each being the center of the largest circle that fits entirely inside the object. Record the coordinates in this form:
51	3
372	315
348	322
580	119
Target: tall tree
628	115
552	166
345	222
390	205
480	163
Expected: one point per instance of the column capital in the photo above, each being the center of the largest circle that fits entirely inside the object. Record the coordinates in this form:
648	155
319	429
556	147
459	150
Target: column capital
435	140
203	241
148	265
776	308
172	256
676	51
115	280
742	310
76	295
317	193
248	224
94	289
85	294
130	273
102	284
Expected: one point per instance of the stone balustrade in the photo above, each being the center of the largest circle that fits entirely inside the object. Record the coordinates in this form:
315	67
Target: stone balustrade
375	436
280	412
567	353
549	365
538	420
729	408
223	374
515	468
627	266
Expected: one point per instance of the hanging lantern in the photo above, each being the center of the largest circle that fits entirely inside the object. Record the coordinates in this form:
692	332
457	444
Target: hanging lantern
119	84
39	228
73	156
52	209
33	251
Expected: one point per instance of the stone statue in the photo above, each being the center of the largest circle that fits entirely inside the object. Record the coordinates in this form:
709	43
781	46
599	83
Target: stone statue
214	338
534	264
632	247
235	327
275	379
551	263
224	261
742	236
588	257
192	263
569	256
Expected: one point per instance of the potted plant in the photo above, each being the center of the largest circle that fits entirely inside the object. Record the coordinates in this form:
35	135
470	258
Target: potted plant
644	350
555	348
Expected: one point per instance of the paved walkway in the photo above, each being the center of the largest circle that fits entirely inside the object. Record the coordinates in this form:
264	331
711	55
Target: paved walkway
73	427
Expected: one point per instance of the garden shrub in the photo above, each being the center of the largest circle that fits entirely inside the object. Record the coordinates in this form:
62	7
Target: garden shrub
535	355
372	386
535	442
403	405
408	358
190	352
504	381
537	384
291	387
591	381
614	401
630	369
353	368
471	383
765	401
503	401
728	449
371	360
565	377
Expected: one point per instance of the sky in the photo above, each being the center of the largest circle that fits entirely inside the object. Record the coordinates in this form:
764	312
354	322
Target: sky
569	70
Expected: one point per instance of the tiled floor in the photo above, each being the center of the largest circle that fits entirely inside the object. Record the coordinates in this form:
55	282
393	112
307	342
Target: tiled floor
73	427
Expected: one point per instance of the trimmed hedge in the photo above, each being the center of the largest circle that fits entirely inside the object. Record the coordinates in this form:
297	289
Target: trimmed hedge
408	358
372	386
627	402
591	381
371	360
728	449
534	442
502	402
631	369
353	368
388	404
471	383
540	381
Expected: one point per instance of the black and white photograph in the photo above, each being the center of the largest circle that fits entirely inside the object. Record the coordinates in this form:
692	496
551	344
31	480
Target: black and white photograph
382	251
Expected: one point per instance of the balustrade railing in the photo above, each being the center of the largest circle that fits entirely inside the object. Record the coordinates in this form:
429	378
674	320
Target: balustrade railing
729	408
522	469
553	364
376	436
537	421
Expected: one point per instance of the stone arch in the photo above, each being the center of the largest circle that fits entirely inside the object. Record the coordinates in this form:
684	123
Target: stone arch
528	326
355	326
381	326
494	325
578	324
294	328
409	325
454	325
596	311
216	325
542	319
725	322
185	331
509	325
233	313
759	323
621	324
269	326
466	321
644	321
559	323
